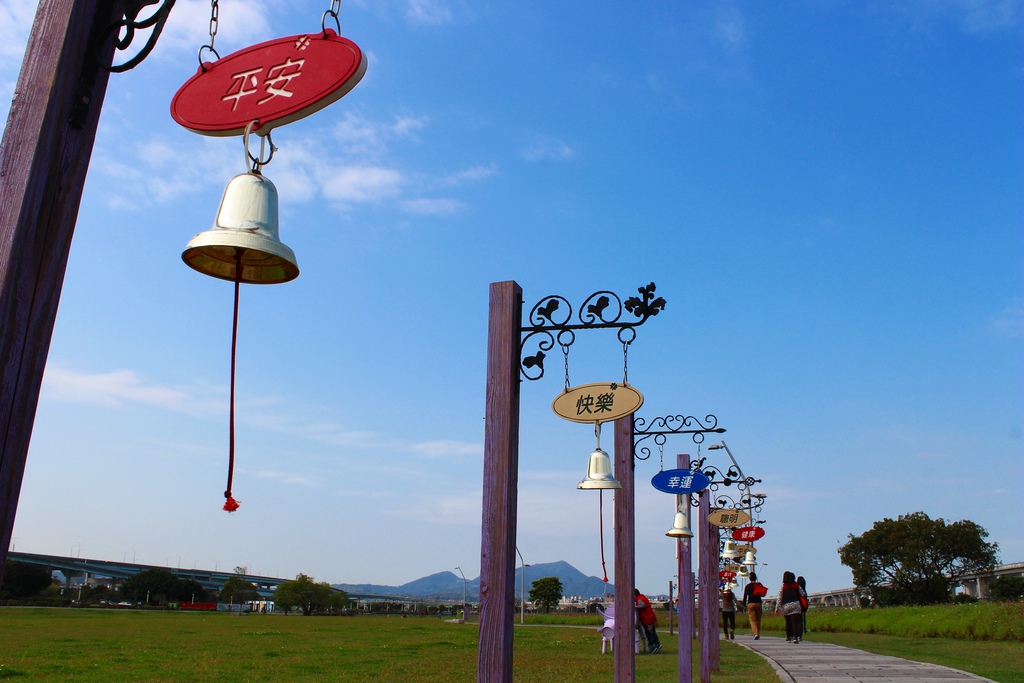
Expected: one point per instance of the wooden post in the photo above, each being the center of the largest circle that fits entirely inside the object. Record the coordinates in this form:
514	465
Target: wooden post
685	591
500	485
708	600
625	549
44	158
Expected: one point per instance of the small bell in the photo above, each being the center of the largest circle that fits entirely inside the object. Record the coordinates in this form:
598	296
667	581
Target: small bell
749	559
599	473
680	527
245	234
730	550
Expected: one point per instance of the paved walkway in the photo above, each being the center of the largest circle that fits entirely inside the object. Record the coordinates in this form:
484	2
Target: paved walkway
810	662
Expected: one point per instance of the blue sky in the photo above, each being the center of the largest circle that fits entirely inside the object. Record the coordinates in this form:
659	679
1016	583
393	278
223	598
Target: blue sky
827	194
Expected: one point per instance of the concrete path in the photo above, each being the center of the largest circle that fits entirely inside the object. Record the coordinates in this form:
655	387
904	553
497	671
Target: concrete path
810	662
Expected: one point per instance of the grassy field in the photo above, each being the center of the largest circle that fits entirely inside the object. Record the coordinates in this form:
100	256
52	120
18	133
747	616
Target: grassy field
140	646
113	645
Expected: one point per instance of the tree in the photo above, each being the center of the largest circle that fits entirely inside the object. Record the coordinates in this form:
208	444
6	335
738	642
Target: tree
546	592
309	596
916	560
238	591
1007	588
152	585
23	580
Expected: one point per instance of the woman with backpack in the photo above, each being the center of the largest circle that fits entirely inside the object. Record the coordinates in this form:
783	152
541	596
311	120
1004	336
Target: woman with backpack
792	603
727	603
752	597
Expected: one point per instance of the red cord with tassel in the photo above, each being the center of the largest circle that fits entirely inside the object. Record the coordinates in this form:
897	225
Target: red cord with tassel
230	504
600	508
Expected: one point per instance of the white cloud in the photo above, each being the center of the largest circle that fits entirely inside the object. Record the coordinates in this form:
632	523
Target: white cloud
549	149
1010	322
15	22
115	388
348	184
289	478
972	16
448	448
429	12
240	23
730	31
432	207
470	175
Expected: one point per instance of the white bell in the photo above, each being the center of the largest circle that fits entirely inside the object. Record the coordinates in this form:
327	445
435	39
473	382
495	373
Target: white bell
680	527
749	559
599	473
244	234
730	550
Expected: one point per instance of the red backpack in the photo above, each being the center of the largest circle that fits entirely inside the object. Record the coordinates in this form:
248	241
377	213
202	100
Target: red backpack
759	589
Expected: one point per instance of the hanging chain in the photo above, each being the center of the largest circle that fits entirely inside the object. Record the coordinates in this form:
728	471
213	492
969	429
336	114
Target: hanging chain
625	363
214	25
565	354
661	457
253	163
332	12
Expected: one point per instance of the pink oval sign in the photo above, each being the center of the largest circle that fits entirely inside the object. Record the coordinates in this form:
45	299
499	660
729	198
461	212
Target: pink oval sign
273	83
747	533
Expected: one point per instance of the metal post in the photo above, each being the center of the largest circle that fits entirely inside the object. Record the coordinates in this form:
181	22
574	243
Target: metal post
44	158
500	483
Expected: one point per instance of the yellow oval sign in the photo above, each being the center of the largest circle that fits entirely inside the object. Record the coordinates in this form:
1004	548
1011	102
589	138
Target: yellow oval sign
728	517
597	402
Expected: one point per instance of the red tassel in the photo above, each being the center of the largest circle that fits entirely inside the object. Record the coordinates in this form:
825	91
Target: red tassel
230	505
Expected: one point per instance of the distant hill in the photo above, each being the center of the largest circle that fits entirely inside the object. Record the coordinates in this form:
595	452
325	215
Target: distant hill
448	585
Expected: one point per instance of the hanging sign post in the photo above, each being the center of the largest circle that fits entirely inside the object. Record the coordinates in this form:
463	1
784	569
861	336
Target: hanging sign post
748	533
272	83
598	402
680	482
728	517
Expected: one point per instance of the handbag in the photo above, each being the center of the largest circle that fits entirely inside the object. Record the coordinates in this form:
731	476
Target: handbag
759	589
791	608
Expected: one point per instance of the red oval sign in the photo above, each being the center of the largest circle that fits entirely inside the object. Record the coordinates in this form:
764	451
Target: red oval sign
273	83
725	576
747	533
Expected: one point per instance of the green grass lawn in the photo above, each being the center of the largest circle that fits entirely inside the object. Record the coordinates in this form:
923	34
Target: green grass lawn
128	645
113	645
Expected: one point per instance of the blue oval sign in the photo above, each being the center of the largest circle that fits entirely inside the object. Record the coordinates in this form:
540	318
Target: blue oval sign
680	481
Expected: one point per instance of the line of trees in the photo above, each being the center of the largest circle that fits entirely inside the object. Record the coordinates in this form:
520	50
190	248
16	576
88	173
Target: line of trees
22	580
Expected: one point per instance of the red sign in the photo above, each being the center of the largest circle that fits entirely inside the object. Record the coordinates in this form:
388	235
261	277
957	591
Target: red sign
273	83
747	533
725	576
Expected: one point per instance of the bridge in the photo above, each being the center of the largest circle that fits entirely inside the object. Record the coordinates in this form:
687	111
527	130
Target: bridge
87	569
213	580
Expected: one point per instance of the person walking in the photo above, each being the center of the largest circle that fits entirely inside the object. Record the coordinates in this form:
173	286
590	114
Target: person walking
648	620
752	602
727	604
792	603
803	614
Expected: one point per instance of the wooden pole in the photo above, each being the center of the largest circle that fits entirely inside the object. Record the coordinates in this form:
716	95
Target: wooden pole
685	591
44	158
625	548
708	600
500	485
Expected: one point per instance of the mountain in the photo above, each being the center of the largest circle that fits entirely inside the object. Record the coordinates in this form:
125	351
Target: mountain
449	586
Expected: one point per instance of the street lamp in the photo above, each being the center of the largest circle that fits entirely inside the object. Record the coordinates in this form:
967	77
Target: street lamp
522	588
463	594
